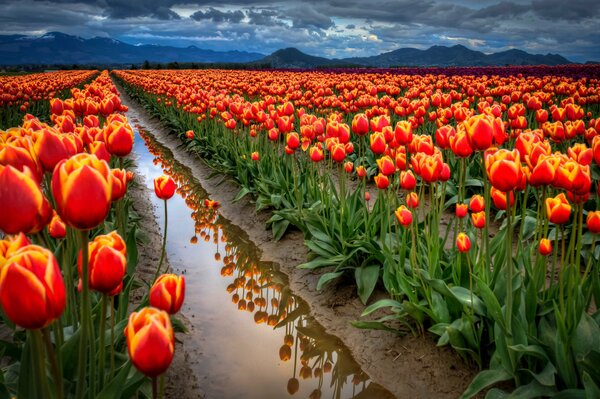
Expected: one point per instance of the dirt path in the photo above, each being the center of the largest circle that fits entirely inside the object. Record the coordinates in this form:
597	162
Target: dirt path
409	367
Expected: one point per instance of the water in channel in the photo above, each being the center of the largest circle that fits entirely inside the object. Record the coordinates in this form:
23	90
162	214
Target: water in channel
252	337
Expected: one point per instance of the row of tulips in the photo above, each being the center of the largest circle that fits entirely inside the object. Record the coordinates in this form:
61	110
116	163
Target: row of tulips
513	287
31	93
68	257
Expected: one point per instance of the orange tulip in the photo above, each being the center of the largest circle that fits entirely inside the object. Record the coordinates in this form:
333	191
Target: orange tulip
255	156
50	149
478	219
32	290
499	198
386	165
19	154
338	152
481	130
593	222
407	180
316	154
461	210
378	143
545	247
596	148
477	203
361	172
463	242
404	215
98	148
504	169
292	140
545	171
82	189
150	341
10	245
360	124
118	138
403	132
412	200
23	207
459	144
348	167
167	293
57	228
558	209
107	263
381	181
164	187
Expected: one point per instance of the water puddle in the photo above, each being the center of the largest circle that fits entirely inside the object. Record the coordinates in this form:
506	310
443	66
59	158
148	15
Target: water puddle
252	337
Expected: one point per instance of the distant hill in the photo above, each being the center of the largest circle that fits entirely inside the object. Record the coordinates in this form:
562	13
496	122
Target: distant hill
56	48
456	56
59	48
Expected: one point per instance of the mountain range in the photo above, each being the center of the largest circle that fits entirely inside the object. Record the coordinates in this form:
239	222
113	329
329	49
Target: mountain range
55	48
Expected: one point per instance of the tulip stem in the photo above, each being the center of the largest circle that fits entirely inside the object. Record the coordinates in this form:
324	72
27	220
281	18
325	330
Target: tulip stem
161	386
112	337
164	244
85	316
56	375
40	362
102	339
154	388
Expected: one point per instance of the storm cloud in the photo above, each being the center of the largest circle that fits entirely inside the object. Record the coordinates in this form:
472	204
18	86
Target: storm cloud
332	28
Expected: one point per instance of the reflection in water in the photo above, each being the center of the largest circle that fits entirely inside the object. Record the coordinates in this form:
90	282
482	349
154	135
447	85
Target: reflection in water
322	365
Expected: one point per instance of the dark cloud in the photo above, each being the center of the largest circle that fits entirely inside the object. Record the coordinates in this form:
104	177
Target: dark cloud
335	28
218	16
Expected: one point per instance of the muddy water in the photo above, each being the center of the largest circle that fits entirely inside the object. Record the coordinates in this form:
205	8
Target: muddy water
252	337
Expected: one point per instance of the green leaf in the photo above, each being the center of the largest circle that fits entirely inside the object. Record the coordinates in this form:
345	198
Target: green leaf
591	389
382	303
132	252
113	388
532	390
485	379
374	325
494	309
327	277
279	229
322	262
26	388
366	279
243	192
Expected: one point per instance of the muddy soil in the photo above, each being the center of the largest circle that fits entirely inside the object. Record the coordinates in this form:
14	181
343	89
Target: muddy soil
408	366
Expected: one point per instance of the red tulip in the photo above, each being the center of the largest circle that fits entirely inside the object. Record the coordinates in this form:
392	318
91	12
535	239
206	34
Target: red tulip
386	165
412	200
57	228
478	219
150	341
545	247
164	187
558	209
167	293
381	181
463	242
360	124
404	215
32	290
82	188
477	203
504	169
593	222
461	210
499	198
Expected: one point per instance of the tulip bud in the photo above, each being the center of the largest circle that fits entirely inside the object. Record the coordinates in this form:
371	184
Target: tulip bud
150	341
593	222
167	293
255	156
118	138
463	242
404	215
545	247
477	203
57	228
107	263
558	209
381	181
478	219
386	165
461	210
412	200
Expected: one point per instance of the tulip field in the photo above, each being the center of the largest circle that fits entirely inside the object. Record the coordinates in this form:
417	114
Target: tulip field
69	250
470	196
463	205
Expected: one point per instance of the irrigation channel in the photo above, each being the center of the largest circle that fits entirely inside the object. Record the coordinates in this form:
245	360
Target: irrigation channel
251	337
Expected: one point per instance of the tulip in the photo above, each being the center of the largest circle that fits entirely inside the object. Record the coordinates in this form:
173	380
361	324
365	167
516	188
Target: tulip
50	149
98	148
381	181
478	219
57	228
504	169
292	140
558	209
360	124
11	245
459	144
477	204
338	152
463	242
255	156
361	172
20	155
190	134
211	204
593	222
407	180
23	207
167	293
545	171
82	188
404	215
412	200
316	154
150	341
119	139
545	247
461	210
480	131
403	132
107	263
32	290
386	165
499	198
119	183
164	187
293	385
596	149
348	167
378	143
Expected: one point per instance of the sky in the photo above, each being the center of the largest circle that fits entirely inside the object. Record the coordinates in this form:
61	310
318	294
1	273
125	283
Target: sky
329	28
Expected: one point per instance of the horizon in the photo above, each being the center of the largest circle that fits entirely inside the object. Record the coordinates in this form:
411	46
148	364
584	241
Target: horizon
326	29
